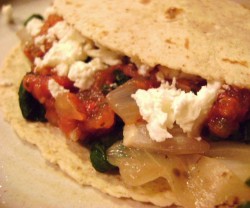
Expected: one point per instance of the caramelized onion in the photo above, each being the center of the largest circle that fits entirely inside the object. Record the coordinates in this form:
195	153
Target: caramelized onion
136	135
123	104
65	107
234	155
196	181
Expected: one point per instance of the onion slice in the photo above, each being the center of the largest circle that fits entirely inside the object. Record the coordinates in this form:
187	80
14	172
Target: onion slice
234	155
137	136
197	181
123	104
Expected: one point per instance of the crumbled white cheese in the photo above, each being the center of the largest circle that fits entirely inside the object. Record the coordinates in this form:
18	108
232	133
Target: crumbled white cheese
64	32
61	69
34	26
64	52
144	70
69	50
82	73
56	89
7	12
160	77
39	40
190	110
107	56
50	10
165	106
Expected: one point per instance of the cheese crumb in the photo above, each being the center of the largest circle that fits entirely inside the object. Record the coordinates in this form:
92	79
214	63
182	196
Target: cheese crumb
106	56
64	52
7	12
69	51
34	26
82	73
166	106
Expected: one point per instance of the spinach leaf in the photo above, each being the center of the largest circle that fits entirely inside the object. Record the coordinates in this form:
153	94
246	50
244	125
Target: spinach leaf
37	16
245	205
120	77
98	156
31	109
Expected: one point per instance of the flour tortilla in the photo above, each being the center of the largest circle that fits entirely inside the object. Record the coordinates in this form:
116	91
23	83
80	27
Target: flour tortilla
203	37
71	157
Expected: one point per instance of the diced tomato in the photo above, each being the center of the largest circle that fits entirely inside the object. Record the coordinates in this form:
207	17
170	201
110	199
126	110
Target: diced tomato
64	81
70	128
37	86
107	77
231	107
188	85
50	22
103	120
83	113
129	70
32	51
99	114
51	113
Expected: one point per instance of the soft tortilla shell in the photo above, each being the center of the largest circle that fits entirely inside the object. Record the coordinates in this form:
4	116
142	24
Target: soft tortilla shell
72	158
202	37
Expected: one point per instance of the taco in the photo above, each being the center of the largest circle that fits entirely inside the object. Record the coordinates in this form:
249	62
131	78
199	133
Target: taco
141	99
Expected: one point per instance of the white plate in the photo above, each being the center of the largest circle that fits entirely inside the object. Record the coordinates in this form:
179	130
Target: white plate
26	180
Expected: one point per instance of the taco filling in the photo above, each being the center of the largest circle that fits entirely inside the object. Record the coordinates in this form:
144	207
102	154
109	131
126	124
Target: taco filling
148	122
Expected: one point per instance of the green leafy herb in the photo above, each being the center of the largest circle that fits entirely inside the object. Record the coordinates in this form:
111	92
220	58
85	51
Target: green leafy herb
245	205
31	109
98	156
108	88
37	16
120	77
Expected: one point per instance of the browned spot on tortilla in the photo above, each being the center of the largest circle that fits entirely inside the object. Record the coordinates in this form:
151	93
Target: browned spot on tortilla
224	174
177	172
78	4
69	2
105	33
242	63
187	43
170	41
172	12
145	1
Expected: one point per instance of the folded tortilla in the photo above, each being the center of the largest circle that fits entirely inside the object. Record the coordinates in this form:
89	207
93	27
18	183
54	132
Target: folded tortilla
206	38
176	34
